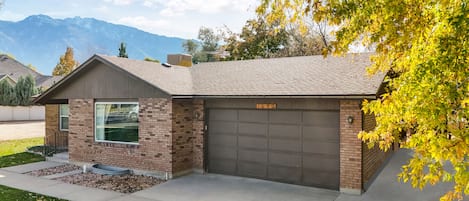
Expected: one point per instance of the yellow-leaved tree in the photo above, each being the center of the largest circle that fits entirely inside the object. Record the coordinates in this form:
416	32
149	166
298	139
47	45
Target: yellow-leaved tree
424	45
66	63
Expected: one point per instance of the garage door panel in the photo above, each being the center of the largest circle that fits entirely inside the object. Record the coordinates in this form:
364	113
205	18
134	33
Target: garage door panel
223	127
223	140
325	134
321	118
223	166
221	152
285	145
252	169
313	147
285	117
321	163
321	179
285	159
252	142
285	174
253	116
252	129
300	147
225	115
285	131
252	156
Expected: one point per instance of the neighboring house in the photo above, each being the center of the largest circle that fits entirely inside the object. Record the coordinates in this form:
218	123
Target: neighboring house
292	120
15	70
10	80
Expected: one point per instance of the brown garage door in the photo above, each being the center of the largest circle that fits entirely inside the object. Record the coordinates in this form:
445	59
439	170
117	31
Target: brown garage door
299	147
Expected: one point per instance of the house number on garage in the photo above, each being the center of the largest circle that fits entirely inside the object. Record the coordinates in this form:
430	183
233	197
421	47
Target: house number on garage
266	106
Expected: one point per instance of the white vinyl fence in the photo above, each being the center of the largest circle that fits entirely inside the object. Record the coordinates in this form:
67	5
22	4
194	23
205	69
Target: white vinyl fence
21	113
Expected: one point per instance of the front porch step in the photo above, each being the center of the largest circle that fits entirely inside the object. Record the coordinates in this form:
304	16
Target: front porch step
59	157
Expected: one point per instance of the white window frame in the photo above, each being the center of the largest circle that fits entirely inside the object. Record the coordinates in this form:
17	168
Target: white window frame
60	117
115	142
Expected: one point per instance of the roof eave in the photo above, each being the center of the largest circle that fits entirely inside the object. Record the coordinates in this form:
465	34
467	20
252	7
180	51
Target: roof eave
351	96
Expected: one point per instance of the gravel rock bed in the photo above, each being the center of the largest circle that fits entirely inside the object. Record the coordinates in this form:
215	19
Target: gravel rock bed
54	170
119	183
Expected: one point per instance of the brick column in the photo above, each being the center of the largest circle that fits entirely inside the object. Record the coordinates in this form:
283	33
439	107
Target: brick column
350	147
198	124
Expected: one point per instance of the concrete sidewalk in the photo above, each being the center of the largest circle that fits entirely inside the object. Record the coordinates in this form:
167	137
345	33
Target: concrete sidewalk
212	187
14	177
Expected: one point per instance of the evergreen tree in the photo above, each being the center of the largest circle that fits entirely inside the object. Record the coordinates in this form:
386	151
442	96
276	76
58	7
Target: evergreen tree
6	93
25	88
123	51
66	63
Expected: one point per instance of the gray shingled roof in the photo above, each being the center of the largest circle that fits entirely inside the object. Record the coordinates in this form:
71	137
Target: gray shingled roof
292	76
15	70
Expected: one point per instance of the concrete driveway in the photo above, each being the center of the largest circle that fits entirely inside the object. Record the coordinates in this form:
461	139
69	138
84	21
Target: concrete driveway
21	129
211	187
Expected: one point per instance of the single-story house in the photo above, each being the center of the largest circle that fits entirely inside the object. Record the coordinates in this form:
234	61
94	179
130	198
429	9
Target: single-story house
292	120
12	70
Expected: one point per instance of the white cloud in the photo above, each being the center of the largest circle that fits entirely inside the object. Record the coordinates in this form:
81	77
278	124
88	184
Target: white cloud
181	7
119	2
148	3
144	23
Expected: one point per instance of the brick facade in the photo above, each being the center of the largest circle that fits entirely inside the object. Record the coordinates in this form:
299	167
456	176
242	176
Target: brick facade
54	137
350	147
198	125
171	140
374	158
166	137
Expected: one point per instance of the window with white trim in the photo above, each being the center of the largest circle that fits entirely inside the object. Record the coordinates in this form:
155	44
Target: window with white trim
63	117
116	122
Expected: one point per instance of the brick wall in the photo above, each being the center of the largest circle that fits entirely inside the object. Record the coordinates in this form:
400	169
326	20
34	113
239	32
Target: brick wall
153	152
182	135
198	134
53	134
170	138
350	147
374	158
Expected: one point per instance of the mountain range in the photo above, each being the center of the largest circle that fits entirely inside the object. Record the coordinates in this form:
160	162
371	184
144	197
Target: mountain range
39	40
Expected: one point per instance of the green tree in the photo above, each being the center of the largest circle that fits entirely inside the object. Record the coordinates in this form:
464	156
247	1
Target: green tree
6	93
190	47
25	88
151	59
123	51
257	39
423	47
66	63
210	41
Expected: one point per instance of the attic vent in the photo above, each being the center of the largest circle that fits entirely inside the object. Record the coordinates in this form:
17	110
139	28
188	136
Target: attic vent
166	65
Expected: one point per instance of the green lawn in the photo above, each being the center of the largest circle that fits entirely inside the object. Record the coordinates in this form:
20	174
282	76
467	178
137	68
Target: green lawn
7	193
17	146
12	152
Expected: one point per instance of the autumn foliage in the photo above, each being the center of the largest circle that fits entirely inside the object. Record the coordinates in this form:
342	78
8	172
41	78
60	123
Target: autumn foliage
423	45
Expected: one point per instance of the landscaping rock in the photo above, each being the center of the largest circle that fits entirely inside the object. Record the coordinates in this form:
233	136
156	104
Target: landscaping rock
120	183
54	170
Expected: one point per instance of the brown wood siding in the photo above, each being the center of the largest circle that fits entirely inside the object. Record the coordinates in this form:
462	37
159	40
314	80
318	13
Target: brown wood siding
101	81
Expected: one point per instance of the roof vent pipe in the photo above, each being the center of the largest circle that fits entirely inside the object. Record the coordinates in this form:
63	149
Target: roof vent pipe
167	65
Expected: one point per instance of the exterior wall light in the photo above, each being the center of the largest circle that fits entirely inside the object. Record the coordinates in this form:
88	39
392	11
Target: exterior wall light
350	119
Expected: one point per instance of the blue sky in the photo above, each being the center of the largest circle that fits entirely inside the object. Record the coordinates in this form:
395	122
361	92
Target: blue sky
181	18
